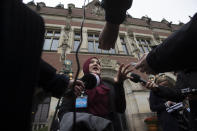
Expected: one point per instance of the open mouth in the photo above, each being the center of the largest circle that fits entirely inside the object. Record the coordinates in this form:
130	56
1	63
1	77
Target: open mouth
95	68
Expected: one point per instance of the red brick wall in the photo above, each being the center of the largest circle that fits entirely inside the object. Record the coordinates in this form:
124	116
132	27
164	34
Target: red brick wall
53	58
58	22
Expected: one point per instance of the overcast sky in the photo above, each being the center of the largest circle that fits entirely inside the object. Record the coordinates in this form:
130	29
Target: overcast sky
171	10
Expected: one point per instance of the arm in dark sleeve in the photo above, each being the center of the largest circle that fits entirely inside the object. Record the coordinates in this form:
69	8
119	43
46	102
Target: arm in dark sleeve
120	101
115	10
178	51
52	82
171	94
156	103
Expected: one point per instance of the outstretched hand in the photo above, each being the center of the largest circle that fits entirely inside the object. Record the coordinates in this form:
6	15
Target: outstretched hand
108	36
122	73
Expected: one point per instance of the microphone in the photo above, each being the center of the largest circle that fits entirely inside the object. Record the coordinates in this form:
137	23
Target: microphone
136	78
91	80
177	106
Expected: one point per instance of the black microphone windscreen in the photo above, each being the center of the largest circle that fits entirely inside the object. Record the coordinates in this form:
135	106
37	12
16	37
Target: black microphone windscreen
90	81
136	78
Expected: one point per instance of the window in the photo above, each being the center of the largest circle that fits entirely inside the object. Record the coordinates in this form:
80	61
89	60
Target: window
93	44
76	44
112	51
146	49
124	45
141	49
51	42
97	49
77	35
144	45
76	41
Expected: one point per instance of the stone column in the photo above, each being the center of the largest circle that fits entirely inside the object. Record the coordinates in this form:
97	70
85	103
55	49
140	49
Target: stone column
84	45
155	38
131	45
61	39
137	48
65	46
129	48
132	111
119	46
70	41
132	107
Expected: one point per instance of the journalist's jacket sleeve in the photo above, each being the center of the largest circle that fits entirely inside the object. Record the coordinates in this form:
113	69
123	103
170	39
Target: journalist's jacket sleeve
156	103
52	82
115	10
172	94
178	51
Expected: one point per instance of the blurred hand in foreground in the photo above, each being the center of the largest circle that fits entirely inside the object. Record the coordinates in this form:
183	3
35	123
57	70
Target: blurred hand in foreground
108	36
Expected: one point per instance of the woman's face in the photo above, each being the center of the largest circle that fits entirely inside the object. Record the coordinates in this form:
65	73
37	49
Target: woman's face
94	66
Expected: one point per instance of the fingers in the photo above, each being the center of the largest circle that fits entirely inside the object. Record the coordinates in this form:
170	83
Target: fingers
129	77
78	87
128	72
120	68
150	85
123	69
141	62
80	83
143	66
123	72
126	67
78	90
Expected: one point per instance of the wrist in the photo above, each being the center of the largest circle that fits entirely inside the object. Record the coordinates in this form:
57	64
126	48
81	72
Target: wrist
112	26
155	89
116	81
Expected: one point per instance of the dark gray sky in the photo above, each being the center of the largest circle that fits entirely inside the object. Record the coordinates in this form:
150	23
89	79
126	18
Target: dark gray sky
171	10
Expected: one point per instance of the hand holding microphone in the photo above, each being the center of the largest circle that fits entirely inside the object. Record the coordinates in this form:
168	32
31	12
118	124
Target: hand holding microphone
136	78
88	81
91	80
149	85
169	103
78	88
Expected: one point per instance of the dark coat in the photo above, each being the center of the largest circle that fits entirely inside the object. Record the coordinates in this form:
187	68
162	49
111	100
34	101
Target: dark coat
178	51
22	36
117	104
167	121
